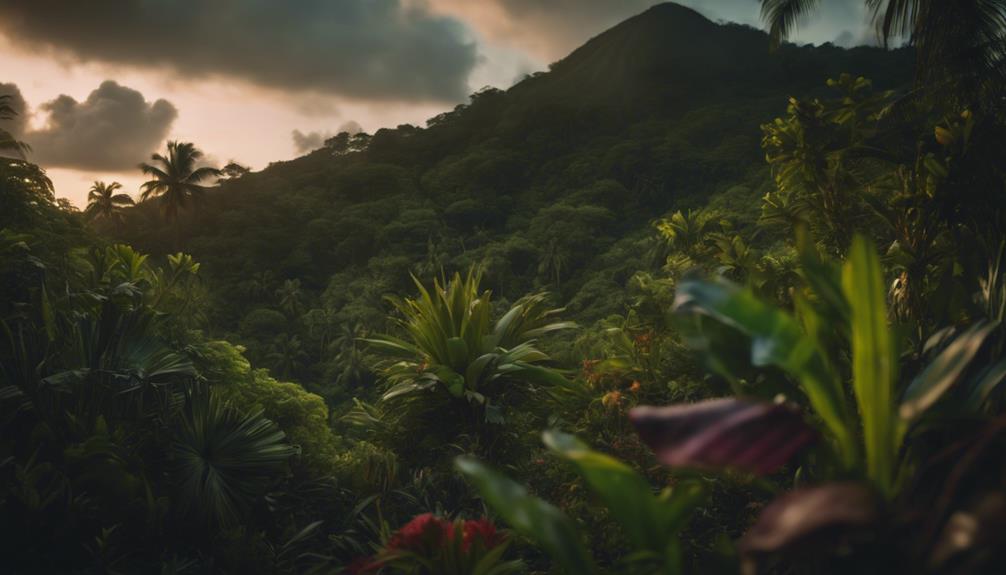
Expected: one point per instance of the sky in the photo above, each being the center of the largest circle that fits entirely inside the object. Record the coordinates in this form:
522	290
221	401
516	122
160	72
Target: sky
103	84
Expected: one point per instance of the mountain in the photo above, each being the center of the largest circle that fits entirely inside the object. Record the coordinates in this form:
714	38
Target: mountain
551	184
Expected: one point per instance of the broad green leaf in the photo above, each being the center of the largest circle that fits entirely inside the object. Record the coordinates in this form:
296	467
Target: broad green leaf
943	371
477	371
392	344
985	384
457	350
546	329
874	360
627	495
530	516
778	340
454	381
533	374
48	317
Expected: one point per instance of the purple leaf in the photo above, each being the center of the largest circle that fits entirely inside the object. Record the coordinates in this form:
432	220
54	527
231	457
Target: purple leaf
754	436
800	514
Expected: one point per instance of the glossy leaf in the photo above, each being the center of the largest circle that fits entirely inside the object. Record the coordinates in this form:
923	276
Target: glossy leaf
753	436
944	370
530	516
628	496
985	384
777	340
874	360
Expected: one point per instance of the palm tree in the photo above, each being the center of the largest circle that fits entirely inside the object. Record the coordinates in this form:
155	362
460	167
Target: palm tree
291	298
960	44
8	143
103	202
287	355
176	179
553	262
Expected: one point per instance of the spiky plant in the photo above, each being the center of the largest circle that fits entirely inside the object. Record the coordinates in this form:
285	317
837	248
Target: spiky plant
451	346
223	460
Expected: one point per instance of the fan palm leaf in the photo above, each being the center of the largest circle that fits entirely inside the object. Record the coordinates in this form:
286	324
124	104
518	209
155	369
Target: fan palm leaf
223	460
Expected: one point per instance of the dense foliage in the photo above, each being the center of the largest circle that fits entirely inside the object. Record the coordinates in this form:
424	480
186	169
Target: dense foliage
765	290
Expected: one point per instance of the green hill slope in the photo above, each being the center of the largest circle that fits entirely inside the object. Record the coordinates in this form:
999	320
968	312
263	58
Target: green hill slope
552	183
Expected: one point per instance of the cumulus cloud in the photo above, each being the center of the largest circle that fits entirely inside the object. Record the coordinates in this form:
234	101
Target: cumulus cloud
352	126
113	129
375	49
845	39
306	142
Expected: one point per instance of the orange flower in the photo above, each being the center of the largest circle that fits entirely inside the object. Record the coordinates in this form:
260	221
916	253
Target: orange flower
611	399
634	388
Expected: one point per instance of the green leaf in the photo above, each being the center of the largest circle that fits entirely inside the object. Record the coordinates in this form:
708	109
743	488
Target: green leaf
874	360
628	496
457	351
530	516
778	340
455	382
945	369
477	371
985	384
48	317
394	345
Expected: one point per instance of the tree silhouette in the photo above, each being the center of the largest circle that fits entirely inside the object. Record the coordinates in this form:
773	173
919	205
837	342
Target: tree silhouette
8	143
104	203
177	180
960	45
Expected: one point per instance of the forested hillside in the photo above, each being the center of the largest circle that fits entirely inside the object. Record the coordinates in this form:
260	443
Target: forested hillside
551	184
695	300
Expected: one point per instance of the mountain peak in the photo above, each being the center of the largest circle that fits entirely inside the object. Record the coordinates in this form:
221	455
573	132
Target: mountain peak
672	56
675	11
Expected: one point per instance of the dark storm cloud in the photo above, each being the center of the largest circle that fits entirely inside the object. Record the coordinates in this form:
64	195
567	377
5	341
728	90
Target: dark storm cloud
305	143
377	49
113	129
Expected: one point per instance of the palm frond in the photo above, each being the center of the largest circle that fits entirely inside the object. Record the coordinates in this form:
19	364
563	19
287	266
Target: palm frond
783	17
224	460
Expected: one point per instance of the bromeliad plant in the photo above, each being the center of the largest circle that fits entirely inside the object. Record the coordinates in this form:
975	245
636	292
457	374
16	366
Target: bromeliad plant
431	545
452	346
650	521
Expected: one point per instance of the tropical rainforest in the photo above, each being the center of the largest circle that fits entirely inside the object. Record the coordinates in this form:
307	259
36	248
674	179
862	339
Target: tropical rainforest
695	300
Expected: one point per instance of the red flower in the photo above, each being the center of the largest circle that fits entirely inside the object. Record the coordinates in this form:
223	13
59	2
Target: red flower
484	530
362	565
424	532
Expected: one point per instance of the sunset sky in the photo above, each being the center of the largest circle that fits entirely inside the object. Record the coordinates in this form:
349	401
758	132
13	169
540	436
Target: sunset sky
102	84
